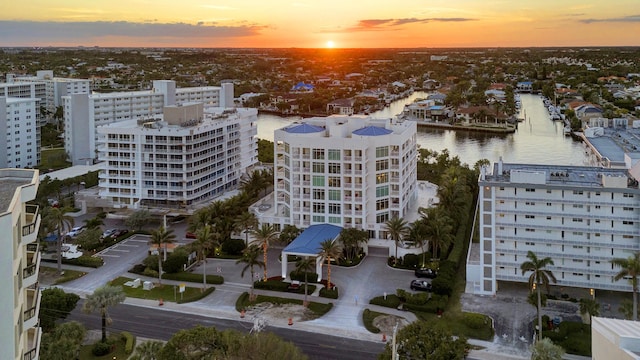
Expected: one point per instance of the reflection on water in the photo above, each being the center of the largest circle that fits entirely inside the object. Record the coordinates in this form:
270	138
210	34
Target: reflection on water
538	140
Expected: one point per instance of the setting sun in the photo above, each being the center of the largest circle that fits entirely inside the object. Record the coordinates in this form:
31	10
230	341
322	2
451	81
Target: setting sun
330	44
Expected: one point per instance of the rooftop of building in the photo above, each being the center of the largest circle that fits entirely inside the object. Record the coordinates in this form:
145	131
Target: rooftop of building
10	180
346	126
616	142
309	242
562	175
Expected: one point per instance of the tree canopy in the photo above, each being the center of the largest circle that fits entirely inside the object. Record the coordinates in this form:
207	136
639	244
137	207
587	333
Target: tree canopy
419	340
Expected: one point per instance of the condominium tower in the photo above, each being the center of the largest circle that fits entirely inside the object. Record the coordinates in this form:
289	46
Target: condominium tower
350	171
186	156
18	120
580	217
19	262
83	113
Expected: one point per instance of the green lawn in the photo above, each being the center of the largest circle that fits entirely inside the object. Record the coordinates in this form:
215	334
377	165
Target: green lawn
165	292
53	159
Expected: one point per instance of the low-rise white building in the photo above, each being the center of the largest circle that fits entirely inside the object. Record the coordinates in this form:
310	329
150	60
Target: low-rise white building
581	217
56	87
19	263
83	113
615	339
186	156
350	171
18	116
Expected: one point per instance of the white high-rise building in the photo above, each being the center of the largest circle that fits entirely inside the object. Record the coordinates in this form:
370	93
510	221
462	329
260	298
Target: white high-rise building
56	87
18	119
186	156
19	263
349	171
36	90
83	113
580	217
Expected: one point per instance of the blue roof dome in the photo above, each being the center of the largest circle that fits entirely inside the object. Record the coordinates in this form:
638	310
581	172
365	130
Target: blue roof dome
303	129
372	131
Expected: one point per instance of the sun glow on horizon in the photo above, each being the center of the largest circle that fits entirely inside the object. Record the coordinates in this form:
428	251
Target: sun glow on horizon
330	44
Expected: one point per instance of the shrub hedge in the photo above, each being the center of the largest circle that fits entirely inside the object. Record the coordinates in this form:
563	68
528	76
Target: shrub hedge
195	278
312	277
331	294
273	285
129	342
85	260
392	301
196	297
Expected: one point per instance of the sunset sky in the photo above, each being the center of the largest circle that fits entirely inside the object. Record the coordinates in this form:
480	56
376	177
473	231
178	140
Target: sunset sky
320	23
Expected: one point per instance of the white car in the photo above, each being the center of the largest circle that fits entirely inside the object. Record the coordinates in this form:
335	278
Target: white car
76	231
108	233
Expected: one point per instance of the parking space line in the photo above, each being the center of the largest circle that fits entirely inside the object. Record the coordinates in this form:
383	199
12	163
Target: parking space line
107	255
136	240
118	250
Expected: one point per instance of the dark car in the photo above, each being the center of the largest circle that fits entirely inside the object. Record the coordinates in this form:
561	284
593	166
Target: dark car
426	272
421	285
119	232
190	235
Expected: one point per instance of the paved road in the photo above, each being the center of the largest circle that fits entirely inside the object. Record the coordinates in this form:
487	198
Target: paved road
148	322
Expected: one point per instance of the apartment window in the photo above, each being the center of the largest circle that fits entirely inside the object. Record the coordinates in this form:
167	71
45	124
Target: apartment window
318	180
548	204
548	217
334	168
577	192
530	243
318	208
318	167
335	195
529	203
382	165
626	236
530	190
626	222
334	181
529	230
548	191
318	194
334	154
382	151
318	218
597	206
334	209
577	260
382	178
577	246
529	216
335	220
578	206
576	220
382	191
627	195
318	154
382	204
627	209
382	218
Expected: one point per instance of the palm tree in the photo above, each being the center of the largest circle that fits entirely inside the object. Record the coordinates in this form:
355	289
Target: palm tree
397	229
161	237
265	235
101	299
417	232
305	265
539	276
248	222
330	249
60	222
589	306
351	239
630	267
250	258
439	230
204	242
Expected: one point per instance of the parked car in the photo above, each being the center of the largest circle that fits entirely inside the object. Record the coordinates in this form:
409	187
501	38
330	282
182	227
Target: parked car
421	285
75	231
191	235
426	272
294	286
108	233
119	232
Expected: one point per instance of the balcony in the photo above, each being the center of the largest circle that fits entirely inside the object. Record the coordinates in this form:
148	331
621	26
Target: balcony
32	306
30	271
32	342
32	220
